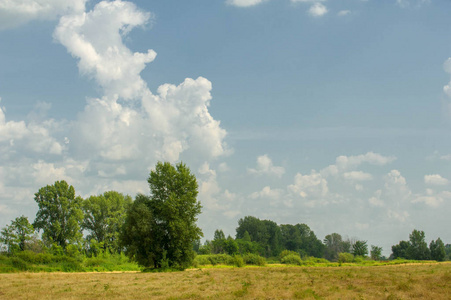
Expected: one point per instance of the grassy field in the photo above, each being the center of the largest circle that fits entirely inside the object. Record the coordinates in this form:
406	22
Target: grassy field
421	281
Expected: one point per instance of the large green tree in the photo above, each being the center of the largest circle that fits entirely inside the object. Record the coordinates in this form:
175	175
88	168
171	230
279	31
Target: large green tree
15	236
418	248
59	214
159	230
104	216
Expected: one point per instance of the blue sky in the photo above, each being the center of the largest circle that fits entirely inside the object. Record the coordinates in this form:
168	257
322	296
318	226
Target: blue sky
331	113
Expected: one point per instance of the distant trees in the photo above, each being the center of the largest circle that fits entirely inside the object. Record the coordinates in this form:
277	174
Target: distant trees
272	238
416	248
59	214
159	230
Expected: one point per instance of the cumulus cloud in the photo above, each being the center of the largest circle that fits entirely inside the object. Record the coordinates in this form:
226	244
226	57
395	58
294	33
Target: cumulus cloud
95	38
432	199
32	136
312	188
265	167
435	179
317	10
15	13
357	176
119	136
343	163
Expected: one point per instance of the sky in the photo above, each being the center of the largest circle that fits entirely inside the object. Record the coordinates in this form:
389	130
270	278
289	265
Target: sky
336	114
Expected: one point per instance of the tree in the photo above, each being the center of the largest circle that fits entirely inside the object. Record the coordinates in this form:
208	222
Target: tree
360	248
376	252
418	248
437	249
104	216
59	214
159	230
218	242
400	250
334	245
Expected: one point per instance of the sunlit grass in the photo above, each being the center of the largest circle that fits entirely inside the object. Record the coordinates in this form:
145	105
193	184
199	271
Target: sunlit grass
406	281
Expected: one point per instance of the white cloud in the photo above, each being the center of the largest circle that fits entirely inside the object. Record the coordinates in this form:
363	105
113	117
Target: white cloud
399	216
313	188
446	157
432	199
410	3
435	179
266	167
346	162
18	12
244	3
343	13
447	67
275	196
343	163
357	176
317	10
32	136
95	38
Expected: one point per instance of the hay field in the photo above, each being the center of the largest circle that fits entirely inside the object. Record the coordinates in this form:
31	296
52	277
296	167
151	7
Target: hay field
415	281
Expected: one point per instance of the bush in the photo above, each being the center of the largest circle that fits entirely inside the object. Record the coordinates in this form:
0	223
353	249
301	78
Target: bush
286	253
345	257
238	261
19	264
221	259
254	259
35	258
71	265
291	259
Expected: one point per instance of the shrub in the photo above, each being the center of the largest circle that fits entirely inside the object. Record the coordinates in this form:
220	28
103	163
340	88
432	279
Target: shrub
254	259
238	261
291	259
35	258
286	253
345	257
221	259
19	264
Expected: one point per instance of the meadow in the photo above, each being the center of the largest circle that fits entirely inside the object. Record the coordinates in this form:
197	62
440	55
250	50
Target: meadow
402	281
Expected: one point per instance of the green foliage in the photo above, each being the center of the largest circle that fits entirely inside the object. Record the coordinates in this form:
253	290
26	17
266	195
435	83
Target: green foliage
376	252
334	245
59	214
104	215
400	250
254	259
345	257
437	249
418	249
16	235
164	224
291	259
238	261
360	248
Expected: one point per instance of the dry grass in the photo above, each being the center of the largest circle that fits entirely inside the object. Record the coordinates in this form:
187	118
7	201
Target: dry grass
421	281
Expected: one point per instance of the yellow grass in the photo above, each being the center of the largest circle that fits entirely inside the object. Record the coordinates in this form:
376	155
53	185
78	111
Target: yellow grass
421	281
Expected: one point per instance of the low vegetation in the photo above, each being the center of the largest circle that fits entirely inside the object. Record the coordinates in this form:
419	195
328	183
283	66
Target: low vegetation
406	281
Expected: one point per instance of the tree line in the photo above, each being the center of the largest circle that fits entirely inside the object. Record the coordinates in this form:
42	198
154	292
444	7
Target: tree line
159	230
